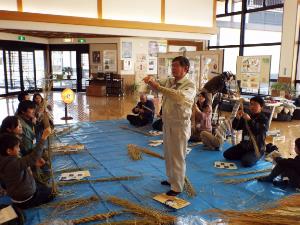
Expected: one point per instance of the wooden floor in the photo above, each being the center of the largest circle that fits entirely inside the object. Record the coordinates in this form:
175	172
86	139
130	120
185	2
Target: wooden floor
87	108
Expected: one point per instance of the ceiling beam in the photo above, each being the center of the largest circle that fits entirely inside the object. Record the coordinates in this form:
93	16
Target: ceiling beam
99	8
163	11
71	20
20	5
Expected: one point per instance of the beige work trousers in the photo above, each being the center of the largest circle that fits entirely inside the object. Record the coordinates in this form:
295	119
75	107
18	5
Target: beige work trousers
210	140
176	135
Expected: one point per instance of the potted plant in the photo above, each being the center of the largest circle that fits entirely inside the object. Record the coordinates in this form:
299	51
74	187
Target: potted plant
283	89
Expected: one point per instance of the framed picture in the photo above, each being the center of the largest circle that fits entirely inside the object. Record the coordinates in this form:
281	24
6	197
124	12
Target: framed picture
96	56
126	50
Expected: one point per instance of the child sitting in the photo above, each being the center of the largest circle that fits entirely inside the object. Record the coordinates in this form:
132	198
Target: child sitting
214	142
16	175
288	169
202	122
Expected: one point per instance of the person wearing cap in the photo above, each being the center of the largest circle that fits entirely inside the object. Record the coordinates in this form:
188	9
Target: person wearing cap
219	83
178	98
144	112
257	123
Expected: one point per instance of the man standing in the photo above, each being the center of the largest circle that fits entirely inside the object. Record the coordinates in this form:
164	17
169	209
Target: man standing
178	98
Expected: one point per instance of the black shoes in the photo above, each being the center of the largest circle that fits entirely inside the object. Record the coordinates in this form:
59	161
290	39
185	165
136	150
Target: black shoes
165	182
172	193
265	179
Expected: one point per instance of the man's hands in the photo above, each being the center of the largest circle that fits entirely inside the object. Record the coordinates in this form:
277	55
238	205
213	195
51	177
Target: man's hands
46	133
40	162
241	114
151	82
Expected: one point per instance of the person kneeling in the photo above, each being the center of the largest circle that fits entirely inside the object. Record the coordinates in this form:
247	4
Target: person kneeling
214	142
16	175
144	112
254	128
288	169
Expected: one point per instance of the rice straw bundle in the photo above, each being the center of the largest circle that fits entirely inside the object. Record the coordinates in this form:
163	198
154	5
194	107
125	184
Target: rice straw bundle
67	152
72	182
238	181
134	153
244	172
136	130
103	216
156	216
73	203
135	149
73	169
284	212
188	188
132	222
67	130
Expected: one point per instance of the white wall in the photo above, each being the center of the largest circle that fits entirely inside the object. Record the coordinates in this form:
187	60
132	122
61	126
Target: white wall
288	40
24	25
132	10
10	5
78	8
190	12
14	37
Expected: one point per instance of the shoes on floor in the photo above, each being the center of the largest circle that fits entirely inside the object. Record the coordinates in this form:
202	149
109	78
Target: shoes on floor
173	193
165	182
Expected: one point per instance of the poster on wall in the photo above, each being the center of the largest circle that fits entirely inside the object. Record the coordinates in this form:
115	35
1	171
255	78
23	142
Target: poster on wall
254	73
250	65
209	66
126	50
152	65
127	64
110	60
153	48
96	56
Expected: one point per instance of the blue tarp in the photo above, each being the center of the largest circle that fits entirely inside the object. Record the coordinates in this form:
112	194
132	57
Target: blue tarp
106	156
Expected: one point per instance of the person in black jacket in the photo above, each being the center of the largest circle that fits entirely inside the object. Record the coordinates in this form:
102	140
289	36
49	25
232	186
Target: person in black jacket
144	112
257	123
217	84
288	169
16	175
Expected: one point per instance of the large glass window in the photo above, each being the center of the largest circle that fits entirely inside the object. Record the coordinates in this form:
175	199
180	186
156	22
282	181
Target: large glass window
264	26
39	56
2	75
13	71
28	70
250	28
64	69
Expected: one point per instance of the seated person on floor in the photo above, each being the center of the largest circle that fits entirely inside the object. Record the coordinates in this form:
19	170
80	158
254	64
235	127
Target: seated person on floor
287	169
41	114
12	125
254	127
24	95
202	121
16	175
214	142
26	115
144	111
158	124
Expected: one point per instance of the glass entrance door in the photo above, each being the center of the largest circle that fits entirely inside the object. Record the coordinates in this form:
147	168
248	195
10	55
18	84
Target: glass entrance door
28	71
64	69
14	81
85	72
2	74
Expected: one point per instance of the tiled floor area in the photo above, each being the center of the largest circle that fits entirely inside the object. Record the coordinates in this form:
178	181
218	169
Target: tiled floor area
86	108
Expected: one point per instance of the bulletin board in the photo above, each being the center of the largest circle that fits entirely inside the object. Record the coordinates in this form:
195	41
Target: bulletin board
253	72
202	65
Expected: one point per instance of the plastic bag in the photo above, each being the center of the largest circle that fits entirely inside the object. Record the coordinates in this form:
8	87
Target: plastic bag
197	220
